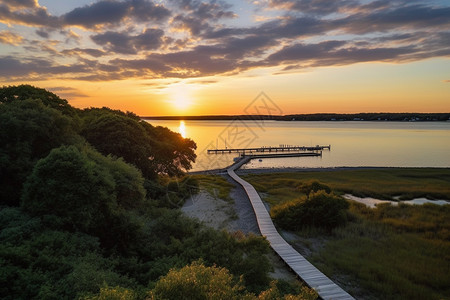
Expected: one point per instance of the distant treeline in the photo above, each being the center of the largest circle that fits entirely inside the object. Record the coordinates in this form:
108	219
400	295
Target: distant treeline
403	117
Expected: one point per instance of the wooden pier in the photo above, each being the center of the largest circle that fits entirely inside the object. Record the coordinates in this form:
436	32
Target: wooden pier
315	279
276	155
281	148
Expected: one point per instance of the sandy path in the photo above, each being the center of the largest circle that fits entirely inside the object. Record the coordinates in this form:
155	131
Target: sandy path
219	214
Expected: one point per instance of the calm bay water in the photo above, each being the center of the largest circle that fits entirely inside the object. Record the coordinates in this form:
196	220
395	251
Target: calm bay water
353	144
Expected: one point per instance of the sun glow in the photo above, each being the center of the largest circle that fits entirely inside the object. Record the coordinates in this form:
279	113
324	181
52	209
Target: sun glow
180	97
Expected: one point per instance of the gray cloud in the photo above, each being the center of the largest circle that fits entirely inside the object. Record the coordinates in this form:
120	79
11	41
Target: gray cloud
85	51
406	17
200	16
120	42
42	33
23	3
12	68
113	12
319	7
35	16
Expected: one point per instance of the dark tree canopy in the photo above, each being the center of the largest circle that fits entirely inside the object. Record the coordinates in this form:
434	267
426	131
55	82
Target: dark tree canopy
10	94
87	192
154	150
29	130
172	153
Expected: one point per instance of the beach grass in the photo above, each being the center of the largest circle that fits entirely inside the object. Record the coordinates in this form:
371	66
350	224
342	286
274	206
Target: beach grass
389	252
216	185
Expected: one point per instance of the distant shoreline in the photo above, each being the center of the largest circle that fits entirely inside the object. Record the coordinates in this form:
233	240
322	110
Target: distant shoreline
359	117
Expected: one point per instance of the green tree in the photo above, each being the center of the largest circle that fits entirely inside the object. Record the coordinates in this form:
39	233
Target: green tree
9	94
154	150
172	153
87	192
29	130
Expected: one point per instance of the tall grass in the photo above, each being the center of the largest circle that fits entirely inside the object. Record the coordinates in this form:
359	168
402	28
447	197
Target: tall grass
391	252
394	252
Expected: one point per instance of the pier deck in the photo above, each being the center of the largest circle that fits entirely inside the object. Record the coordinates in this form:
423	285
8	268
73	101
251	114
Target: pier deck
268	149
326	288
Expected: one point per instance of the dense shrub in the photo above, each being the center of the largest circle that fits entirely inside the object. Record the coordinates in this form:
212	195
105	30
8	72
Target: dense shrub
313	186
319	209
197	282
29	130
86	192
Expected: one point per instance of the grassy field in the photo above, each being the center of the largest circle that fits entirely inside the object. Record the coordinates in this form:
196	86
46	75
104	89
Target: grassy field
377	183
383	253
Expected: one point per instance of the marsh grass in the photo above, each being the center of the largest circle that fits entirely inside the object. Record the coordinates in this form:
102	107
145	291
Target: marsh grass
396	252
406	183
392	252
217	186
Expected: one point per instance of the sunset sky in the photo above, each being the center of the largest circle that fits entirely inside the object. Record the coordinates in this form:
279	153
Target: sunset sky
191	57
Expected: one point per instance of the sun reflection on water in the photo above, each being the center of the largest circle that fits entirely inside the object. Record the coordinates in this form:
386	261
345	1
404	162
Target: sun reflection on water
182	129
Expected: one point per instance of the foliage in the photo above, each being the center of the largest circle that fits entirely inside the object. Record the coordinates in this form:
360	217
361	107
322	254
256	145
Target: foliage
154	150
177	191
23	92
313	186
196	281
29	130
274	292
172	153
37	262
113	293
87	192
319	209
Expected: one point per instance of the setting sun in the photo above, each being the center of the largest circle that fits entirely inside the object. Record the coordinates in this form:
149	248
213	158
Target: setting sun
179	96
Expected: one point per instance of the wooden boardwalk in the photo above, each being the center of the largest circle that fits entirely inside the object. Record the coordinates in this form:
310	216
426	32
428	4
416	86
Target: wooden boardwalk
315	279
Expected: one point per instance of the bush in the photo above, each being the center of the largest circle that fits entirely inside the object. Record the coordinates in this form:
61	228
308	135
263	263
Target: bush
196	281
313	186
320	209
